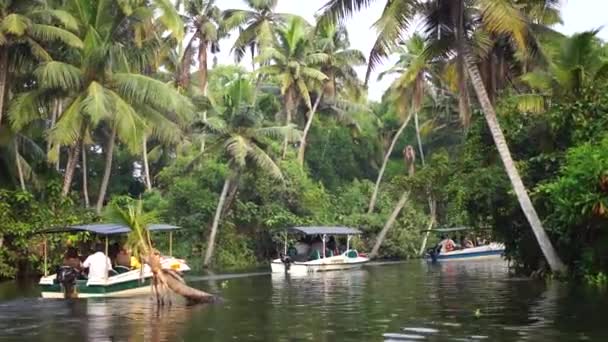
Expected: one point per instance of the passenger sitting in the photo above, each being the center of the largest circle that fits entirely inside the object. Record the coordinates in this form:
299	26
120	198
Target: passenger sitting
447	244
317	245
98	264
332	246
72	259
302	247
467	243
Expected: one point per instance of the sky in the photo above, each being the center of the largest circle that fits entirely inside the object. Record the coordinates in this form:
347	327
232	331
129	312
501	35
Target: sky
578	15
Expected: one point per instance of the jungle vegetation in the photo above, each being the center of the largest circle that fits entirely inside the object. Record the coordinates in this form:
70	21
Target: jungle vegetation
494	121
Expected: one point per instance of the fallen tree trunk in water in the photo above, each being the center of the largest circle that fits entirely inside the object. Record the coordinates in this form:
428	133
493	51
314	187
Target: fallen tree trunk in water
169	279
193	296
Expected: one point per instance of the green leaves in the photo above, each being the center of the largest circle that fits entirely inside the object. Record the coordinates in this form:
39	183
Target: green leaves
15	24
98	103
59	75
50	33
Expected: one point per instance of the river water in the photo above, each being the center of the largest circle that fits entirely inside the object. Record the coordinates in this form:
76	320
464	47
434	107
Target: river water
412	301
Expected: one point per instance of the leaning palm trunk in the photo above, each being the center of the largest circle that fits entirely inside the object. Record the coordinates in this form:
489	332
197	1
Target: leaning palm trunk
19	168
85	177
546	247
419	139
216	222
164	278
148	180
302	149
3	78
107	171
387	226
70	168
433	209
372	202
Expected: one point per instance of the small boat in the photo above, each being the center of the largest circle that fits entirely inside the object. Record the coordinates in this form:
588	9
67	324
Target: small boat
303	264
486	251
492	250
120	281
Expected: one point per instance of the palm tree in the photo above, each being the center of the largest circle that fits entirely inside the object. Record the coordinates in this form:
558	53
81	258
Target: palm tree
18	153
332	40
575	63
241	139
140	243
25	29
203	19
257	26
407	92
500	18
295	64
103	89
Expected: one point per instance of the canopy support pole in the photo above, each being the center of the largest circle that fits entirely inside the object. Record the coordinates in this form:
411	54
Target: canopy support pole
324	236
107	270
170	243
44	247
348	242
285	245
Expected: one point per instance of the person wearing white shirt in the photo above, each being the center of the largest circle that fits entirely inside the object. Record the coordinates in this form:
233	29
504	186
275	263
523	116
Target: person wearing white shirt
98	264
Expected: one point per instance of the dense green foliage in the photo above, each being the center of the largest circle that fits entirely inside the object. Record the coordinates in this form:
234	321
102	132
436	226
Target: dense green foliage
220	150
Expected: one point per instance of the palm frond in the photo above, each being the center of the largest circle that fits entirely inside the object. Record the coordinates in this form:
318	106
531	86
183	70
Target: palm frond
48	33
130	125
503	17
97	104
531	103
58	75
237	148
64	17
67	129
290	132
15	24
25	108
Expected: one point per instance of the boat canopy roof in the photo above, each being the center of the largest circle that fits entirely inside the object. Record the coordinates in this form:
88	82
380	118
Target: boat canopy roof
105	228
453	229
325	230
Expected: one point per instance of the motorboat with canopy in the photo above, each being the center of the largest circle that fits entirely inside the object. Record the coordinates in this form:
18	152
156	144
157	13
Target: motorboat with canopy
478	251
120	281
321	258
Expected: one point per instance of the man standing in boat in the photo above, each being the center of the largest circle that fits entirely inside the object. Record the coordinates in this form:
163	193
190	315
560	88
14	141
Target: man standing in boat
98	264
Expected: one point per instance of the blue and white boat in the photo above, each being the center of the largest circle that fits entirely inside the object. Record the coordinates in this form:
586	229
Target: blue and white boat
486	252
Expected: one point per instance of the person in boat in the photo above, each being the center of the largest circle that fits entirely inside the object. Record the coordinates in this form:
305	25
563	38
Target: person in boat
302	246
467	243
71	258
125	259
332	245
447	244
316	248
98	264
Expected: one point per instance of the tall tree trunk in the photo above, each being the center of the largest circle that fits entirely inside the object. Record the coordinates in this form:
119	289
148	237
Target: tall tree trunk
216	222
433	219
464	107
19	168
85	177
387	226
202	66
70	168
148	180
546	247
420	149
107	171
3	78
372	202
234	188
311	115
289	105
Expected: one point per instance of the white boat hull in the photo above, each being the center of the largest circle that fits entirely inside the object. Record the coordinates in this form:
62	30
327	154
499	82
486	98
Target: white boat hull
493	251
340	262
128	284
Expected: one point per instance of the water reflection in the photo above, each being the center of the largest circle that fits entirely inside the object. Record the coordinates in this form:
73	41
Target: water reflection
407	302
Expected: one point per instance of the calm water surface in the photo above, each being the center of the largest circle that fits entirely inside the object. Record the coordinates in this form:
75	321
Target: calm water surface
411	301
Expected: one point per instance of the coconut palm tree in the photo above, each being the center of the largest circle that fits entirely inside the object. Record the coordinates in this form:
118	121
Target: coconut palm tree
103	89
139	241
241	138
295	64
203	20
575	63
26	28
332	40
498	19
407	93
257	26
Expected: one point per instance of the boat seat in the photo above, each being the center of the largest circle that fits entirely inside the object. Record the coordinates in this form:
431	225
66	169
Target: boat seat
352	254
314	255
121	269
112	272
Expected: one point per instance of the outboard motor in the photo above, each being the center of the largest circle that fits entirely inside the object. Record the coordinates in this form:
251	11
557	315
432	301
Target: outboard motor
434	252
66	276
286	260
